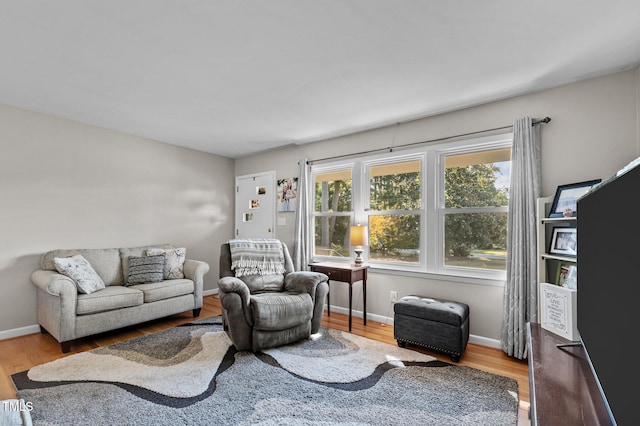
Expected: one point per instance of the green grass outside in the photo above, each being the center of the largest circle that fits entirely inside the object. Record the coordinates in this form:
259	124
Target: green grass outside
481	259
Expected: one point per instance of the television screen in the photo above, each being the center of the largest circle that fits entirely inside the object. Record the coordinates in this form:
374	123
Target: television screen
608	274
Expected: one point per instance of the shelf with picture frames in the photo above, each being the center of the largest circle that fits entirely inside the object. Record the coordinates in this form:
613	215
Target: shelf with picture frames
545	226
557	270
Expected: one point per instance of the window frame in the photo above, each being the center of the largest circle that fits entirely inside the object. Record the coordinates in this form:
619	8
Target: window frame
385	159
463	147
339	166
432	211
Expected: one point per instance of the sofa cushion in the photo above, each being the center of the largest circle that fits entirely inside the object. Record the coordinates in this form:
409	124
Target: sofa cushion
145	269
106	262
112	297
135	251
173	263
80	271
278	311
165	289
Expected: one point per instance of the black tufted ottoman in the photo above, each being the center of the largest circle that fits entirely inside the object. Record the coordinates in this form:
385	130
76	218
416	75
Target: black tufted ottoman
437	324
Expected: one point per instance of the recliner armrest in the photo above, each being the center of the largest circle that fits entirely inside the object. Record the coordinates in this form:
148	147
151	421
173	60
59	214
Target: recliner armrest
234	285
227	285
304	282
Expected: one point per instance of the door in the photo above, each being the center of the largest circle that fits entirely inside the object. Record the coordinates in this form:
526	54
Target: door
256	205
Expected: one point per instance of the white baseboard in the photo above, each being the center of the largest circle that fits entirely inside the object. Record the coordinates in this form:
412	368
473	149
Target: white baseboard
210	292
17	332
483	341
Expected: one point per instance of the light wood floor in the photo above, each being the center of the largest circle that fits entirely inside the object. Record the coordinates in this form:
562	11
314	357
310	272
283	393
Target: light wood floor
21	353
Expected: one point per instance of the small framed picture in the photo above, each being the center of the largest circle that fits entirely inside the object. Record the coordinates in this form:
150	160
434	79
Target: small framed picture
565	202
564	241
567	275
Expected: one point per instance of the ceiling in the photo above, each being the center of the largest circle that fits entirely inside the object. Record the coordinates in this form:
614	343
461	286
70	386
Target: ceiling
238	77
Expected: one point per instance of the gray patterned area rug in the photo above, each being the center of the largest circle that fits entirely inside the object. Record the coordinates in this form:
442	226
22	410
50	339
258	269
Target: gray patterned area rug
192	375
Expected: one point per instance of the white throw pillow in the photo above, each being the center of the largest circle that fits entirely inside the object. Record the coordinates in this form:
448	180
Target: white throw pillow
81	272
173	261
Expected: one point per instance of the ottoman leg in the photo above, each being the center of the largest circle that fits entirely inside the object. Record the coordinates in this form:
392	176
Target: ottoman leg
402	344
455	358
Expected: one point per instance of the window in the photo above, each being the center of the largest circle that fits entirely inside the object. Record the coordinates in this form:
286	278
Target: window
439	209
395	194
333	212
476	200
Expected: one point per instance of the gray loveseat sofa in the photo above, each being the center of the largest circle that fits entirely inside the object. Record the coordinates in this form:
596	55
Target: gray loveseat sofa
68	314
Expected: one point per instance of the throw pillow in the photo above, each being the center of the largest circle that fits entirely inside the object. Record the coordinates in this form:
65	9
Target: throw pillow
145	269
174	261
81	272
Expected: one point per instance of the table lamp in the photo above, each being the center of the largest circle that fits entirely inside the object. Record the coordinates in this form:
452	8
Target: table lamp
359	236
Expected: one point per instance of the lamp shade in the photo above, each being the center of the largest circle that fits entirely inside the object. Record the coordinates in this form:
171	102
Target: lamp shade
359	235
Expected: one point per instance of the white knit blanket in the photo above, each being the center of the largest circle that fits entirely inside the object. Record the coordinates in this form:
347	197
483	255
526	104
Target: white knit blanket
256	257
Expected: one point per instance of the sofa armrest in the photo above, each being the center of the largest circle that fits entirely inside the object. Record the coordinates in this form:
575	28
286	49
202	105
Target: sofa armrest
54	283
195	270
57	301
304	282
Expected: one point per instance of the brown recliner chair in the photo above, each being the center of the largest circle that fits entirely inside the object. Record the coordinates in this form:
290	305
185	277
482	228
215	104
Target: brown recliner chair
265	311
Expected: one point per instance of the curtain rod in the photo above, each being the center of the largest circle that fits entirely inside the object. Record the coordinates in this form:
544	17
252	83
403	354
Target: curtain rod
391	148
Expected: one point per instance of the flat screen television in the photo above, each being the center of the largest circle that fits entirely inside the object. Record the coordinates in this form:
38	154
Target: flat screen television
608	277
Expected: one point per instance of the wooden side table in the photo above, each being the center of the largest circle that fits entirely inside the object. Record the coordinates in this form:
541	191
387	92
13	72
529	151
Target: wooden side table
347	273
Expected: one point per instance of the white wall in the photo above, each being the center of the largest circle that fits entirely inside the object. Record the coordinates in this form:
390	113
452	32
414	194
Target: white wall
68	185
593	133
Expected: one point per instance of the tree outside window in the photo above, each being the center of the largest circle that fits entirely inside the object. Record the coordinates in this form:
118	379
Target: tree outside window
395	211
437	209
332	213
476	200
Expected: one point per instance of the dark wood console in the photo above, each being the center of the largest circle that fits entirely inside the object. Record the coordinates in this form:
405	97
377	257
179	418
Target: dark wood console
347	273
563	389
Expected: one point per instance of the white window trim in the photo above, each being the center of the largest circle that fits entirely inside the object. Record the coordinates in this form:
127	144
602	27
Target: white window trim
431	260
390	158
504	140
328	168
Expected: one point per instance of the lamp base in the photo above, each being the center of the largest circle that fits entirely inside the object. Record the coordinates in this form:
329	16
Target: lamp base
359	259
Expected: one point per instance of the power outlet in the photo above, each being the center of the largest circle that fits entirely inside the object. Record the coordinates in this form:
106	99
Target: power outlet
393	296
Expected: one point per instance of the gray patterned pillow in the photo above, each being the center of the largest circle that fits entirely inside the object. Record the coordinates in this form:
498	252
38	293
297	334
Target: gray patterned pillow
174	261
81	272
145	269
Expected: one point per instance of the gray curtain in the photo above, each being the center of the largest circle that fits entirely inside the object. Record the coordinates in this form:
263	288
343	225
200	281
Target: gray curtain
302	233
521	289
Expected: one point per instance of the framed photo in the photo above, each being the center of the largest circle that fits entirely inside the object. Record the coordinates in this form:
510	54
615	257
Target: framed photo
565	202
287	194
567	275
564	241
